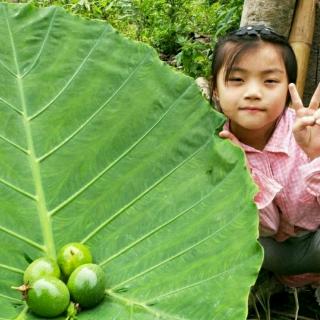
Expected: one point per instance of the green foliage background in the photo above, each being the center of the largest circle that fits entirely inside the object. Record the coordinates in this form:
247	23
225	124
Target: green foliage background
182	31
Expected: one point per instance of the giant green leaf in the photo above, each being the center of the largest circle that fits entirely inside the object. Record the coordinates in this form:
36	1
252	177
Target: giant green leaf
101	142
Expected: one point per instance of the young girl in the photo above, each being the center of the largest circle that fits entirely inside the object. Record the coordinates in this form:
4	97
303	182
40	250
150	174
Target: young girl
253	75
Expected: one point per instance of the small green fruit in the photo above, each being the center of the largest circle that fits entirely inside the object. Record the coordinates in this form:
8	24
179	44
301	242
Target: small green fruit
87	285
48	297
44	266
73	255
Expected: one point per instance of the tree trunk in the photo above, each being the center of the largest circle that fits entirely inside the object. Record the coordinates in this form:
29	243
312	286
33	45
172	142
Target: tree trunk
273	13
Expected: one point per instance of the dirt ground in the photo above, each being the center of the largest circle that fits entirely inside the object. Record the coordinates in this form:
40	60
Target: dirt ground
270	300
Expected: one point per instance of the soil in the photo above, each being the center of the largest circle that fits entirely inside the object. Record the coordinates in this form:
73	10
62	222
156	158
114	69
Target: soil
284	303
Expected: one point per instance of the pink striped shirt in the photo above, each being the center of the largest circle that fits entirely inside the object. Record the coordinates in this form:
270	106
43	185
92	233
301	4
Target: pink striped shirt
289	189
289	183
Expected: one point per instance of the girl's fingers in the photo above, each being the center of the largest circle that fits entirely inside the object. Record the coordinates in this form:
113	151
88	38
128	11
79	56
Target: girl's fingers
317	116
303	122
315	100
297	102
295	97
228	135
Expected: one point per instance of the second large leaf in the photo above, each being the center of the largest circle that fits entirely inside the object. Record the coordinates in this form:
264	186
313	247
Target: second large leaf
104	144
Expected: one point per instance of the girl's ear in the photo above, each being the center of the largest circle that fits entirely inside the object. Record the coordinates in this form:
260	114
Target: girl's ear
215	99
215	95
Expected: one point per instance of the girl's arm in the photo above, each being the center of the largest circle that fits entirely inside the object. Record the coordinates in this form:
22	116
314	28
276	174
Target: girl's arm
306	129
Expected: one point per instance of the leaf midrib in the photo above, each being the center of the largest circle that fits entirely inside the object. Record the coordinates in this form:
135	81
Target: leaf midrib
45	222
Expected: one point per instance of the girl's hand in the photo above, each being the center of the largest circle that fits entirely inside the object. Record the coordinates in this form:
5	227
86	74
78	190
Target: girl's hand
228	135
306	129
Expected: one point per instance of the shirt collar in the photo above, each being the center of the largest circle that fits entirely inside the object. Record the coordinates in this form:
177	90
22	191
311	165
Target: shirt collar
279	142
280	139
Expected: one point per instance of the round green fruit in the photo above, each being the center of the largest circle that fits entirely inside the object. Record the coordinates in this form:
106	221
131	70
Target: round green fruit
48	297
44	266
73	255
87	285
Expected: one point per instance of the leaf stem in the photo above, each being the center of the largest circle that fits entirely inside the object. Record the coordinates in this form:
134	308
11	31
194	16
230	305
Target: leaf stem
44	217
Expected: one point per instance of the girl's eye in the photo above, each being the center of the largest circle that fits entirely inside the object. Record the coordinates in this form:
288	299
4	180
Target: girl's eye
235	79
271	81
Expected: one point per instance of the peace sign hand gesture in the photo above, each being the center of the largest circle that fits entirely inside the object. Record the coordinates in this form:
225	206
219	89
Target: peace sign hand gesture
306	129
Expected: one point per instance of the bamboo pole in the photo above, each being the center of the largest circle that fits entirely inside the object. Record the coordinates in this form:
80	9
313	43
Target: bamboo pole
301	36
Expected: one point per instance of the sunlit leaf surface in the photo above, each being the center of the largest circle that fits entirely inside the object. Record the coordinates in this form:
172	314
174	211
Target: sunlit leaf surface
101	142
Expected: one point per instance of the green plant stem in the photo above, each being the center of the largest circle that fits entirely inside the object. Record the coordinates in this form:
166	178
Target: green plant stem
289	315
44	217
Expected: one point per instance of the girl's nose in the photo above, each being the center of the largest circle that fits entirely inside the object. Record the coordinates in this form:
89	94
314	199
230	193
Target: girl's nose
253	91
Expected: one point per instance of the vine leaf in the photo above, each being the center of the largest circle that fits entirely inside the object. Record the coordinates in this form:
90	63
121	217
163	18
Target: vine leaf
102	143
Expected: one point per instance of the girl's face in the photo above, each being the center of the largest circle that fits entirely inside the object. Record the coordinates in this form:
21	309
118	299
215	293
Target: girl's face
254	95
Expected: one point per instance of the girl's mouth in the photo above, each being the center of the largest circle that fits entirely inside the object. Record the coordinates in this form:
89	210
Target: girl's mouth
251	109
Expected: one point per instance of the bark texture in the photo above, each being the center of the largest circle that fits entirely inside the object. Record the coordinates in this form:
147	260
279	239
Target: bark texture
273	13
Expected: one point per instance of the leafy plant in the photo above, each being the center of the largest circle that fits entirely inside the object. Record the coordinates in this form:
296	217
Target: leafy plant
103	144
175	28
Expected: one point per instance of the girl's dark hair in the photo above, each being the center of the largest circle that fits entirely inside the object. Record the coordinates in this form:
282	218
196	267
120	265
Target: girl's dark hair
245	38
